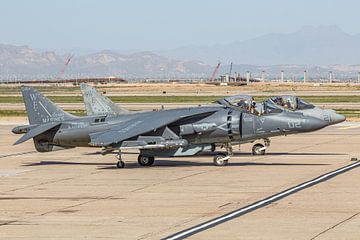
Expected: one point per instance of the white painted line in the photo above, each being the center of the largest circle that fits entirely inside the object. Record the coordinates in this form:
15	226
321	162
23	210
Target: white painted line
45	109
237	213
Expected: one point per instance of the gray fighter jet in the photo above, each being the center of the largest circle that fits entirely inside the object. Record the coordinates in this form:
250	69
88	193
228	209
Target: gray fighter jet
166	133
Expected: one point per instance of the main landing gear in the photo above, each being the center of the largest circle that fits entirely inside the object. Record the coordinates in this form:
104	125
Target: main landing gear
220	159
145	161
259	149
142	160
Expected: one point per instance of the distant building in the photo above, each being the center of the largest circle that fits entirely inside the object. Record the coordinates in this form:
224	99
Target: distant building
74	81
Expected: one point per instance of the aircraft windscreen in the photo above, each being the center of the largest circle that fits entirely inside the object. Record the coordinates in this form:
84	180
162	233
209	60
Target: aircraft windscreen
270	107
301	104
292	103
240	101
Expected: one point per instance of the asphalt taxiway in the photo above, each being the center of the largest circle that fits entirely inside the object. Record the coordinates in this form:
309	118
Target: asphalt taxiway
75	194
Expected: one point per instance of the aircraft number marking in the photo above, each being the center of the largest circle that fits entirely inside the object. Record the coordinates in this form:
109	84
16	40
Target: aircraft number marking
294	124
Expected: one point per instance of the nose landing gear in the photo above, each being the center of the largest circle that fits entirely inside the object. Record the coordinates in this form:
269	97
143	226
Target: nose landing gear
259	149
221	160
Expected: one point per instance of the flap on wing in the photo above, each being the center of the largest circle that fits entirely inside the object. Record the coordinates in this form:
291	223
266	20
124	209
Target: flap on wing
36	131
141	125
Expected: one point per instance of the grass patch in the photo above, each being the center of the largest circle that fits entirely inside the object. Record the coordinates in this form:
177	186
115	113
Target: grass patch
22	113
16	89
350	113
179	99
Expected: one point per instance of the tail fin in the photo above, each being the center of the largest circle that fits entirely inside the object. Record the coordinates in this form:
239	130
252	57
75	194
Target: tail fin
40	109
98	104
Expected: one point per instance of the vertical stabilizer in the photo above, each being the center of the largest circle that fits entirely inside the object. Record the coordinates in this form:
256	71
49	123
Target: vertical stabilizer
98	104
40	109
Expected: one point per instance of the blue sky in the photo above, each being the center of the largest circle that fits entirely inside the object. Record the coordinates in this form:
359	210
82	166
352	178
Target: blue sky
162	24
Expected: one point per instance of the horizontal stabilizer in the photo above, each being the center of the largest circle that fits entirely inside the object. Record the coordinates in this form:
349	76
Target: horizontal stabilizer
36	131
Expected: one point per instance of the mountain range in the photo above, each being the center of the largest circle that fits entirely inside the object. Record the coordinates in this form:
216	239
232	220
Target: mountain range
25	62
316	49
309	45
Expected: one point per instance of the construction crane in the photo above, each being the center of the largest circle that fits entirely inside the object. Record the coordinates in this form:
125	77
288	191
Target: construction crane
212	78
61	73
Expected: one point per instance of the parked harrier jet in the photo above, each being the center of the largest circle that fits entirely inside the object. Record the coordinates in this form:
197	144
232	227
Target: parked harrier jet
166	133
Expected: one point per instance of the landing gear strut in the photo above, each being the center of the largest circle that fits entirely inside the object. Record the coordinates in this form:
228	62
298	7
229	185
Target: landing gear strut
120	163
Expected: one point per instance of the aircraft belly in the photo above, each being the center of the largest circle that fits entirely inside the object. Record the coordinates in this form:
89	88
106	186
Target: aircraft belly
72	137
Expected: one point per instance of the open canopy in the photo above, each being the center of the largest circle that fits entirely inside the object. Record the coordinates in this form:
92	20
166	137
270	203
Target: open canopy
247	103
244	102
292	102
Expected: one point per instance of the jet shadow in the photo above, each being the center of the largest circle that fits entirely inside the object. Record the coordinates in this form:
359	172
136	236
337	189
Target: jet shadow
236	153
304	154
167	163
176	163
46	163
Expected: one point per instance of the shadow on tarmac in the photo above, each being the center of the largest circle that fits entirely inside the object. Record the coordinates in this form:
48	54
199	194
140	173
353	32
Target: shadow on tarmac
207	154
168	163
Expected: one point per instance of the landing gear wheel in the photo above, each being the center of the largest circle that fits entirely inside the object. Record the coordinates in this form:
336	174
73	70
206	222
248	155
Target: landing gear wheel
145	161
221	160
120	164
258	149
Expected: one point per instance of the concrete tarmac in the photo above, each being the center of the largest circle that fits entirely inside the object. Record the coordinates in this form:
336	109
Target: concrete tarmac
75	194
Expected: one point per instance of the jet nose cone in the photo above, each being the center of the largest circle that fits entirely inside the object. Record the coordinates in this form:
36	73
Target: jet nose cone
336	118
313	124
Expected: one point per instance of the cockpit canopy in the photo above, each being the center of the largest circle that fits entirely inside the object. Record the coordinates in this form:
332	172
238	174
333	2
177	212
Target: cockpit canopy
244	102
247	103
268	107
292	103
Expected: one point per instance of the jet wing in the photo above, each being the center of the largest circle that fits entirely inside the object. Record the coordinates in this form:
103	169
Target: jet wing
36	131
141	125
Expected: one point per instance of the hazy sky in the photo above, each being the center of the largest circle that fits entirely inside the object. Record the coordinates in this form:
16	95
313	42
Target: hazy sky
162	24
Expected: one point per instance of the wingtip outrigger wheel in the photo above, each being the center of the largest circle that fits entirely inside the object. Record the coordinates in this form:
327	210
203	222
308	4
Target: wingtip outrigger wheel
120	163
